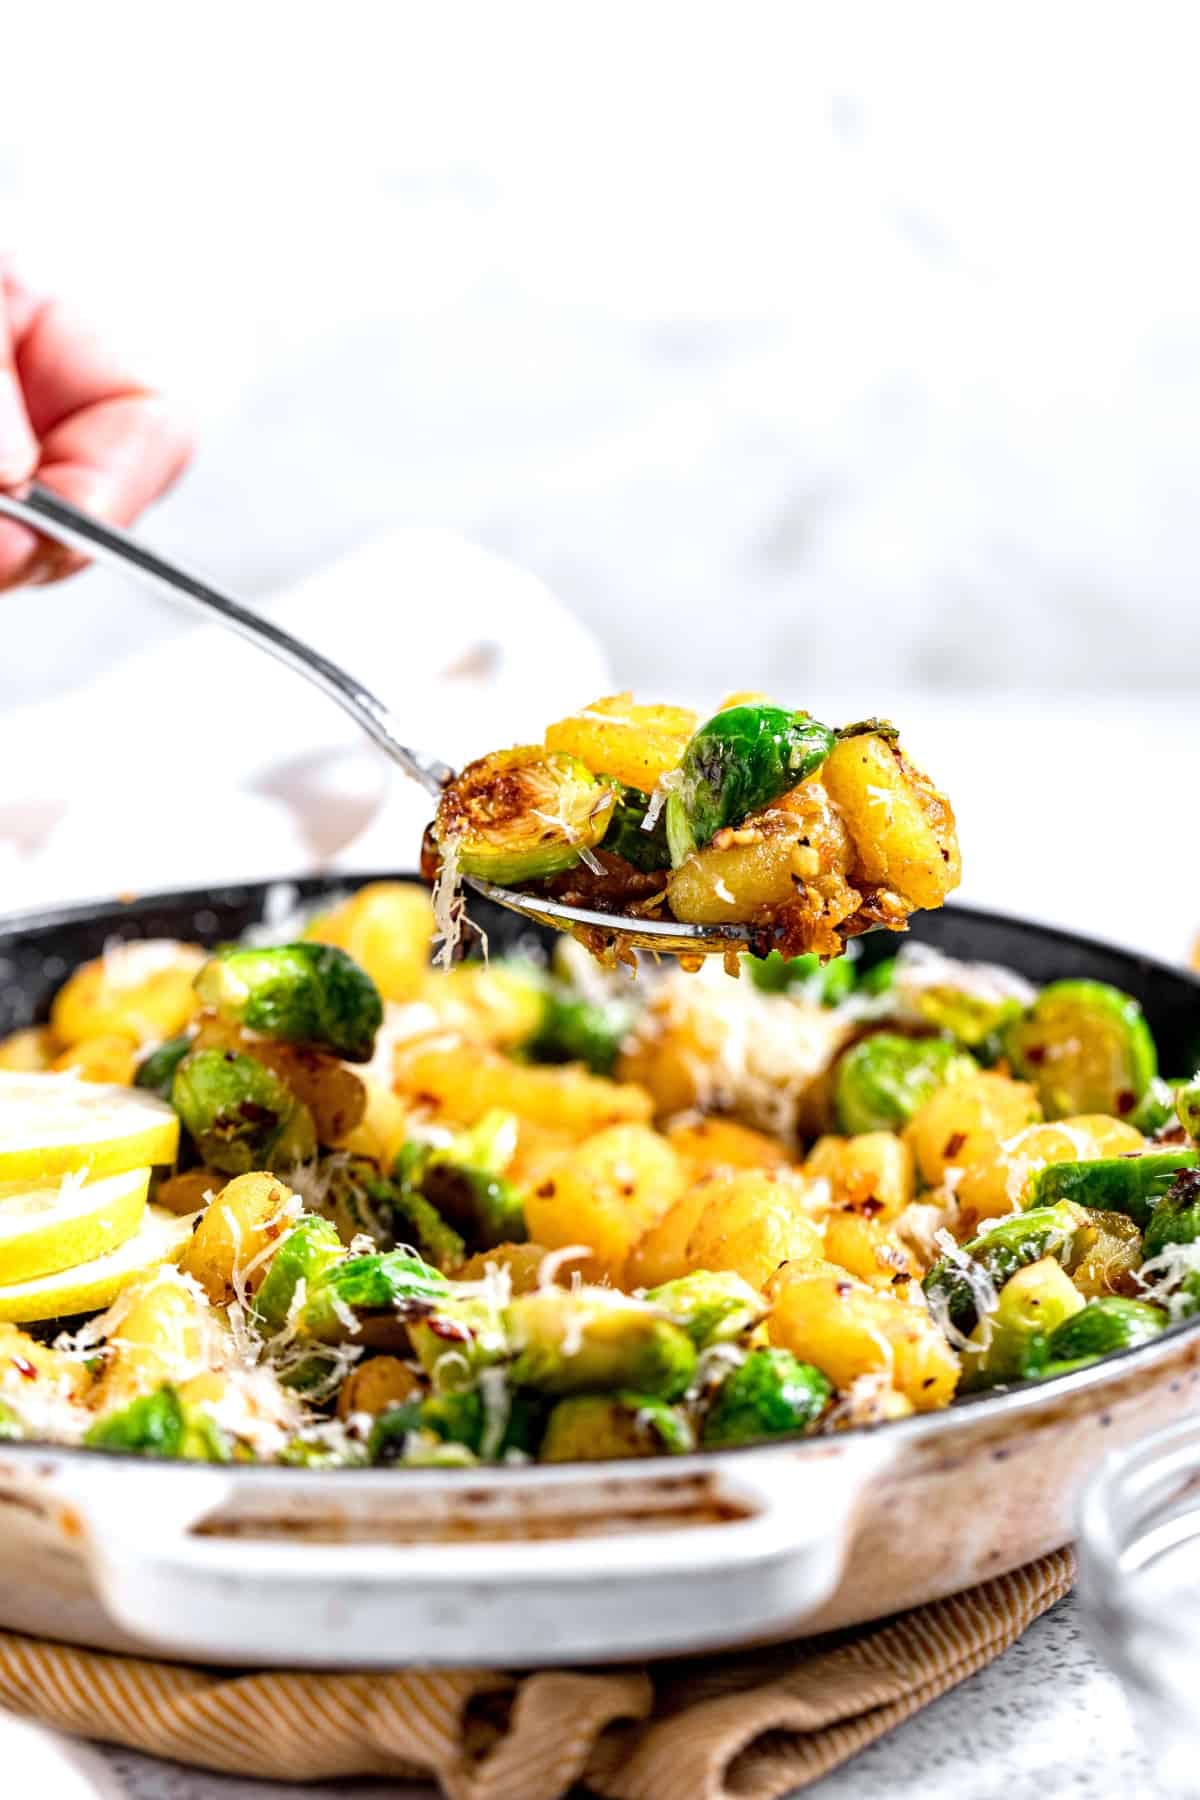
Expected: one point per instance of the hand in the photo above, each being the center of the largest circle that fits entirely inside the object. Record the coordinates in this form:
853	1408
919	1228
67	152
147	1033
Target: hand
70	415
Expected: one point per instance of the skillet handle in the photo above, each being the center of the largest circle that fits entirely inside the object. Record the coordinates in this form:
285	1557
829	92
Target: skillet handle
632	1592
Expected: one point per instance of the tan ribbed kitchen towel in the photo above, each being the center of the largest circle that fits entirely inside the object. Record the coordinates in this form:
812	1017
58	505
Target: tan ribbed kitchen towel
753	1726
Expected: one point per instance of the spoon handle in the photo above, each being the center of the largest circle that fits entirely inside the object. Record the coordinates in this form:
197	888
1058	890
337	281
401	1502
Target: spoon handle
54	517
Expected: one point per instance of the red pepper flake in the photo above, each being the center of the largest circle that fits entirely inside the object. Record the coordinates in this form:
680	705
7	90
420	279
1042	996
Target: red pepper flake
448	1329
24	1367
1036	1054
953	1145
1126	1101
844	1289
547	1191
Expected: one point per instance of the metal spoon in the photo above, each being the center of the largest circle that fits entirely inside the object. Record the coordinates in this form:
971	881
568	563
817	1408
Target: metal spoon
54	517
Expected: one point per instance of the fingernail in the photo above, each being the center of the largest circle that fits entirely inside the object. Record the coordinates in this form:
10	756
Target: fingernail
18	446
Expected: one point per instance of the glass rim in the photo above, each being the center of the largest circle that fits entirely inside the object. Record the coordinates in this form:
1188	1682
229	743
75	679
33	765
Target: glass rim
1137	1505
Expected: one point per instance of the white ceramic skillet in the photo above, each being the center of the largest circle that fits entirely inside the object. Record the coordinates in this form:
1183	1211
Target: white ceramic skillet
577	1563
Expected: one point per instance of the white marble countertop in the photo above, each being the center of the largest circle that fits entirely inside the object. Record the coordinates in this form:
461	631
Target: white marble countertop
1045	1718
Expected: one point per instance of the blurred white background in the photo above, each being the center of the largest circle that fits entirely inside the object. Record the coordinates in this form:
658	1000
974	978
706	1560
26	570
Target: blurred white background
857	355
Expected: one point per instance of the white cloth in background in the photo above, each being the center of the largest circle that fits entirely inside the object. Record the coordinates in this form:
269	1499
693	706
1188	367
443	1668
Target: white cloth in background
202	761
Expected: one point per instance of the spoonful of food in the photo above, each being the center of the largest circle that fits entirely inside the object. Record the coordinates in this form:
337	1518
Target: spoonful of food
632	827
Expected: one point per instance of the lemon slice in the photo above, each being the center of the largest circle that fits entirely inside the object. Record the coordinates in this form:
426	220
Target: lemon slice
52	1125
60	1224
94	1285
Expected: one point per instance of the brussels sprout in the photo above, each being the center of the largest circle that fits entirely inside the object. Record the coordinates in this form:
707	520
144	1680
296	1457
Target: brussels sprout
305	1253
968	1018
1157	1106
573	1342
1132	1185
712	1307
465	1183
1176	1218
360	1199
1107	1254
741	760
400	1436
881	1081
577	1030
425	1450
1187	1106
521	815
156	1072
301	993
627	835
346	1296
602	1427
391	1432
159	1424
489	1424
239	1114
879	978
317	1453
828	984
982	1266
457	1337
1103	1326
1086	1048
772	1392
1013	1343
11	1427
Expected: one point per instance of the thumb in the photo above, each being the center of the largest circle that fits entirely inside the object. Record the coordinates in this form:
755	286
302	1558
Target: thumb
18	446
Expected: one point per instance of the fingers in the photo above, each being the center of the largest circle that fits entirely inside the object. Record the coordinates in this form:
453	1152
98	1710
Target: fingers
105	442
18	450
113	459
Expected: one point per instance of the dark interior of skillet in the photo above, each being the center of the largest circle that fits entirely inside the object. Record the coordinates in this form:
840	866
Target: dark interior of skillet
37	950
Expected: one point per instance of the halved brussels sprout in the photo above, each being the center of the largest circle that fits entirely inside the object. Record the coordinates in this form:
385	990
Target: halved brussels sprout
159	1424
1133	1185
601	1427
346	1295
1176	1218
464	1181
713	1306
885	1078
961	1282
1103	1326
1086	1048
572	1342
1014	1342
771	1393
1187	1106
628	836
739	761
240	1115
359	1198
521	815
505	1420
1158	1106
826	983
305	1253
301	993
